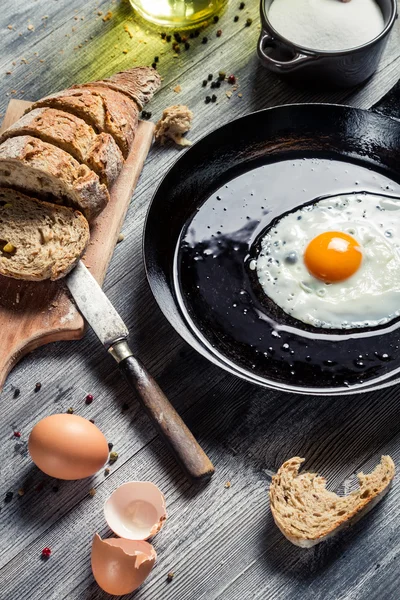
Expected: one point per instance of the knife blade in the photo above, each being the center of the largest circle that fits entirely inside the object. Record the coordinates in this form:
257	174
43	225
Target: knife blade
113	333
95	306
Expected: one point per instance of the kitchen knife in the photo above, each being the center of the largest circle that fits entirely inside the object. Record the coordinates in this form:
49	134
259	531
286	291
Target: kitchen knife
112	332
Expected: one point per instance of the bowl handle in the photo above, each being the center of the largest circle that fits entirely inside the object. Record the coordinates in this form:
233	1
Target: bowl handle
279	66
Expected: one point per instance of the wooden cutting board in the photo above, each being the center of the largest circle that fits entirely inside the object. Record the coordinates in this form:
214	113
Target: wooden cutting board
33	314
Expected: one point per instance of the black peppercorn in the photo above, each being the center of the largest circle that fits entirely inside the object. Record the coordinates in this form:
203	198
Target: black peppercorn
219	32
218	84
242	5
204	40
213	84
187	45
38	386
156	59
248	22
154	65
8	497
177	37
191	35
197	33
110	446
163	36
207	100
204	84
168	38
216	19
236	19
17	392
210	77
213	98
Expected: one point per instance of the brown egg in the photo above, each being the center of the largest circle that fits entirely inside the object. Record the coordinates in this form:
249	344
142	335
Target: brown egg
120	566
67	447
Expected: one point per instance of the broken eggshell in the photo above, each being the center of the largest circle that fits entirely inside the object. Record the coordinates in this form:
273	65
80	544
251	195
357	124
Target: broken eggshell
120	566
136	510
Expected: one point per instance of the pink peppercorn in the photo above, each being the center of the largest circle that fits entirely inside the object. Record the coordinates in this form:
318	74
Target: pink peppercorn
17	434
231	79
46	552
89	399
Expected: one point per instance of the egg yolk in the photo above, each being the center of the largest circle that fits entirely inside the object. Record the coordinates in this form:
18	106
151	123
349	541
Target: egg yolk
333	256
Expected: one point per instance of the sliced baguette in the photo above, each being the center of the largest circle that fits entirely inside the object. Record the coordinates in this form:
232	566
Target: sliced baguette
30	165
307	513
106	110
70	133
39	240
139	83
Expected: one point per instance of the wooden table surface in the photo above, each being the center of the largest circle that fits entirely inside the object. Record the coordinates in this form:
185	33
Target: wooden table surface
220	541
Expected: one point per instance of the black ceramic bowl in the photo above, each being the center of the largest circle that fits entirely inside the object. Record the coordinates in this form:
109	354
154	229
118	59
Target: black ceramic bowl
342	69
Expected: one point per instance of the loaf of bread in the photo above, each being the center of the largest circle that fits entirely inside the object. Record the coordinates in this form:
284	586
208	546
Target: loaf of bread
67	150
307	513
39	240
70	133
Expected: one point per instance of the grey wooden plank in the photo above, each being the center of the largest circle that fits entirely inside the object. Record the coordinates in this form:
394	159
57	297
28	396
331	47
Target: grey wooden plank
221	542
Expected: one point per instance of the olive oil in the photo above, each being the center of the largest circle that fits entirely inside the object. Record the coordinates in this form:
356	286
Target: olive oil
179	14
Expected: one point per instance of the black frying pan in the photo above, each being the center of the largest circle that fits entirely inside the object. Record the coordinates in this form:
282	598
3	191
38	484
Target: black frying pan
208	213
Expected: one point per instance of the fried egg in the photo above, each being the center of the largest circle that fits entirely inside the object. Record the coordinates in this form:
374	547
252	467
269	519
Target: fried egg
335	263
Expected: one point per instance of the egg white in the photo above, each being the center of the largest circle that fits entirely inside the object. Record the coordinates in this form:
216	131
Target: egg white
368	298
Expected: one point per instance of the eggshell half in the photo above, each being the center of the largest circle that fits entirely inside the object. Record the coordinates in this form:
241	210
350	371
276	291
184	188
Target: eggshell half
136	510
120	566
67	447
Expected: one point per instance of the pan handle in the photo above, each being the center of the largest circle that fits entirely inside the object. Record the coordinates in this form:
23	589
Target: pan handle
265	41
389	105
176	435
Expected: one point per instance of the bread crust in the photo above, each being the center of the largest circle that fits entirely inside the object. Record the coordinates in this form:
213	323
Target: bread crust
139	83
104	109
57	175
71	134
307	513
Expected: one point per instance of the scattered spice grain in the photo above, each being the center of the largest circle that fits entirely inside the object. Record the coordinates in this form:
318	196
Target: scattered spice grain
70	410
170	576
21	492
92	492
227	484
113	456
248	22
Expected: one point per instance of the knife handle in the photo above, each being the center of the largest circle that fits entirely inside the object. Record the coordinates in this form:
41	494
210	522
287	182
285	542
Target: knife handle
183	445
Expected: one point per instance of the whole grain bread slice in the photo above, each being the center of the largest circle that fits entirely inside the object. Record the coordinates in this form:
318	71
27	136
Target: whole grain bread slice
70	133
30	165
39	240
307	513
106	110
139	83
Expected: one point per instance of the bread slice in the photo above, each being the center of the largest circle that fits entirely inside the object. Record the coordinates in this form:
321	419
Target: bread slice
70	133
105	110
307	513
38	240
139	83
31	165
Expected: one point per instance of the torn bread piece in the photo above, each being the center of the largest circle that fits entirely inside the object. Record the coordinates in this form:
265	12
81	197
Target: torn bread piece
39	240
307	513
174	123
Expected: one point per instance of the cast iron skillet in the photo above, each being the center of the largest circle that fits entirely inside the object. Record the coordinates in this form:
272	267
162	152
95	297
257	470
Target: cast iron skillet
205	221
